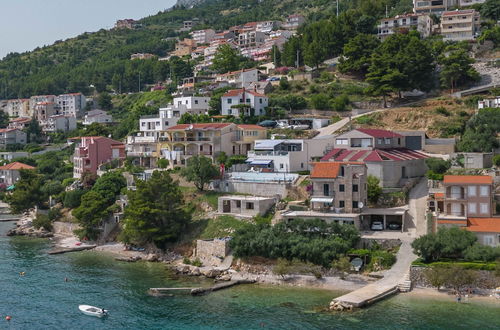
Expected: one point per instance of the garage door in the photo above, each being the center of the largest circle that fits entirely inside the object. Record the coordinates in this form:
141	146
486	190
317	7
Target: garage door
414	142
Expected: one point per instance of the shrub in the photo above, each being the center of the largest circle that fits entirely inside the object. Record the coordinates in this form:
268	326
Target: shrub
320	102
496	160
479	252
72	199
341	103
383	259
438	165
197	262
282	268
442	111
186	261
54	213
374	189
42	221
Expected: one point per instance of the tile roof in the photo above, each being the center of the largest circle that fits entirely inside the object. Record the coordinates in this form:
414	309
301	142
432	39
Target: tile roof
328	170
439	195
483	225
237	92
452	222
379	133
16	166
245	126
198	126
5	130
479	179
375	155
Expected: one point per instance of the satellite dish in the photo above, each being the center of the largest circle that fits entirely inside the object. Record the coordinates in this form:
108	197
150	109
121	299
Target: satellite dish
361	205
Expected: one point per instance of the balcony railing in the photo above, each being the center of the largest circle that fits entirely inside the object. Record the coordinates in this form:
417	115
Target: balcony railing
81	152
267	153
456	196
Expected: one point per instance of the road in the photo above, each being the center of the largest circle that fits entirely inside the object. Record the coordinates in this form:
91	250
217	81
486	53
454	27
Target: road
418	206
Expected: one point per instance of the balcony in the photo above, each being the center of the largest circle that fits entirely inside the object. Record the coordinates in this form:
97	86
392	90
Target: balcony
141	139
141	153
81	152
267	153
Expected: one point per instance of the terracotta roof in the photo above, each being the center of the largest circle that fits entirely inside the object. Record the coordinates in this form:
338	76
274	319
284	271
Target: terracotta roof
484	225
245	126
452	222
379	133
16	166
5	130
237	92
479	179
20	120
376	155
198	126
439	195
328	170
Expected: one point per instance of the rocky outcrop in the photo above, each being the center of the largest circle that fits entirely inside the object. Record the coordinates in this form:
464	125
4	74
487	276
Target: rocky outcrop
30	231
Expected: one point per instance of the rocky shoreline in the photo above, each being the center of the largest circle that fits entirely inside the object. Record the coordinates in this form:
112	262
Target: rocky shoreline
24	227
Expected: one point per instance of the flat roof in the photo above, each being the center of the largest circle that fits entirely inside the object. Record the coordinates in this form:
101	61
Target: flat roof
245	197
391	211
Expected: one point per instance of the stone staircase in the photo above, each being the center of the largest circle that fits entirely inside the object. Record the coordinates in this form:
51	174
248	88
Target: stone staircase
405	284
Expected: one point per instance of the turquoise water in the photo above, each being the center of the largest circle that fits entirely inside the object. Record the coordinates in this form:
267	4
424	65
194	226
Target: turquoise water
43	300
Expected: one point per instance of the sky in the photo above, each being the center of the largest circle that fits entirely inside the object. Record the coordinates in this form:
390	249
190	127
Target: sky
27	24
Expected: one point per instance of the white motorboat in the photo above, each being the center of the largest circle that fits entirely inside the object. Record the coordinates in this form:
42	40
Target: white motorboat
92	311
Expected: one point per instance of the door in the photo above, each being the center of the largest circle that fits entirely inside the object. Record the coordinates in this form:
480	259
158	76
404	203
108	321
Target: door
403	172
226	206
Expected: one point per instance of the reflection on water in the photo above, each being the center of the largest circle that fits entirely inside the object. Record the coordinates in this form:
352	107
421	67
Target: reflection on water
42	299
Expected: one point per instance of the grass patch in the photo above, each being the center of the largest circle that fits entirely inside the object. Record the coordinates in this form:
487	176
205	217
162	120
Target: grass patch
222	226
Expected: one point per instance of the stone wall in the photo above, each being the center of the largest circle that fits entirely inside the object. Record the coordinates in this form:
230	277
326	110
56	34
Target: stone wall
64	228
366	243
255	188
208	249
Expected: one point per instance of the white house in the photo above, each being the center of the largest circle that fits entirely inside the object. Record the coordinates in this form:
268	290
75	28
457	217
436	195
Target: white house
288	155
203	36
489	103
71	104
97	116
11	136
236	97
240	77
59	123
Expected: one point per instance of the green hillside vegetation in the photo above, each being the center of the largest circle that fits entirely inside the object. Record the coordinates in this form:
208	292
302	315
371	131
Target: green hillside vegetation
102	59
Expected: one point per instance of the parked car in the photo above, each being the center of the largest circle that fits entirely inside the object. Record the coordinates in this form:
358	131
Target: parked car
273	79
377	225
394	226
268	123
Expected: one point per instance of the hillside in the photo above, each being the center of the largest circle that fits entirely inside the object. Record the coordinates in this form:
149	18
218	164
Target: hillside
102	59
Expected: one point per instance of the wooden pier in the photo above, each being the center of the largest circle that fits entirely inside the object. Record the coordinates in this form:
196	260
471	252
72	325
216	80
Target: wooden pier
199	291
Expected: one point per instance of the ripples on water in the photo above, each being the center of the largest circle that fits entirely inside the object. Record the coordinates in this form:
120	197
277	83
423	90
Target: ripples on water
43	300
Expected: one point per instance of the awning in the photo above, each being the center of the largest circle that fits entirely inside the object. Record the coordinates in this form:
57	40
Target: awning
322	200
260	162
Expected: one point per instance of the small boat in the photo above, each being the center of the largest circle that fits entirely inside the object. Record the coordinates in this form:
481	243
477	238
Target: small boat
93	311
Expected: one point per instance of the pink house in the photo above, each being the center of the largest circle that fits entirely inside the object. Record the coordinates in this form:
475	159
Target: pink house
93	151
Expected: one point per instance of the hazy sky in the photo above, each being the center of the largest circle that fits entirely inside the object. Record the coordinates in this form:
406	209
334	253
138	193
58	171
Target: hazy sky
27	24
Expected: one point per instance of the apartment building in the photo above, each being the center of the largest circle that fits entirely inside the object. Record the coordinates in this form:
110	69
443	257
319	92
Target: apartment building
11	173
467	201
97	116
184	47
44	110
34	100
489	103
93	151
402	23
339	187
251	39
203	36
240	77
267	26
244	102
460	25
10	136
59	123
467	3
71	104
186	140
19	123
18	108
293	22
384	152
286	156
433	6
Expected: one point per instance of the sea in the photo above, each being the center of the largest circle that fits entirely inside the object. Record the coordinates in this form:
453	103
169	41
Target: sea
42	299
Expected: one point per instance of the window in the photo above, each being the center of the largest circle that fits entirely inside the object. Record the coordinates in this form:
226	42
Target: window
380	141
471	191
248	101
354	204
301	165
472	208
342	170
249	206
238	204
341	204
260	101
281	166
229	112
355	188
485	191
195	101
229	101
341	188
343	141
326	189
484	208
387	141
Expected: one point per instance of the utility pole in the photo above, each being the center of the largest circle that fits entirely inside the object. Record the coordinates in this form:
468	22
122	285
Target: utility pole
139	82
